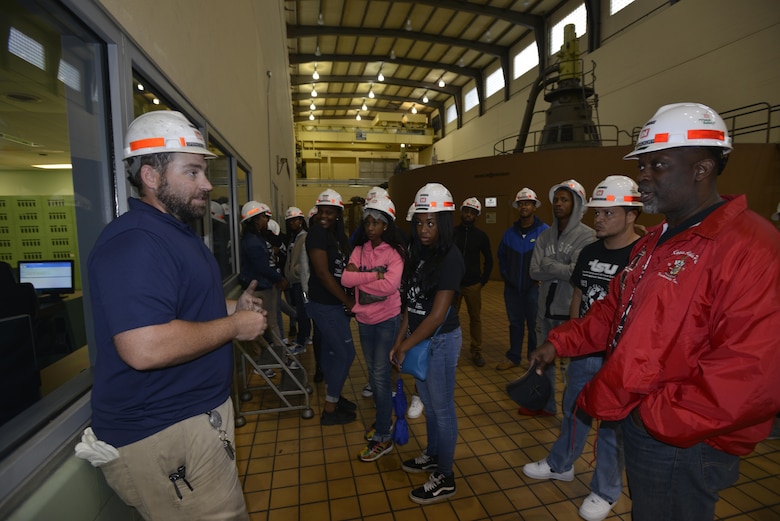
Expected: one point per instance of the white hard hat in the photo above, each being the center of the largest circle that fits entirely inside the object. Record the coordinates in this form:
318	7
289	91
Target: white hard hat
472	202
571	185
615	190
273	226
253	209
225	209
217	212
293	212
330	198
164	131
381	203
376	191
526	194
410	212
682	125
312	211
433	198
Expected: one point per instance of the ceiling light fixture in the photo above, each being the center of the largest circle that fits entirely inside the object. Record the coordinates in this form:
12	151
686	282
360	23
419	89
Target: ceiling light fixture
425	97
414	109
488	37
320	20
156	101
403	145
441	83
56	166
408	24
313	106
317	51
371	92
357	116
313	91
316	74
461	63
311	116
364	106
140	87
392	54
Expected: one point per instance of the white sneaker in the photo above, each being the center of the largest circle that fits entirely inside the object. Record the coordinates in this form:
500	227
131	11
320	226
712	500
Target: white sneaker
595	508
541	470
416	408
367	391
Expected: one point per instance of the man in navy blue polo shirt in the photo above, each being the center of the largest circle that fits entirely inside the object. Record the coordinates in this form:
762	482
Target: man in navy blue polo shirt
163	331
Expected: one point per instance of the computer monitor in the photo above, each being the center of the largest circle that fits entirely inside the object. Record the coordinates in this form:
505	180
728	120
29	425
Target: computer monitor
49	277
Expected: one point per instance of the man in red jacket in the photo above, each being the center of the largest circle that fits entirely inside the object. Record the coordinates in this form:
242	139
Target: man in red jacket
689	327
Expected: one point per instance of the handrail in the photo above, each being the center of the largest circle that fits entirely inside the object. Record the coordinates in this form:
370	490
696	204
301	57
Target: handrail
750	119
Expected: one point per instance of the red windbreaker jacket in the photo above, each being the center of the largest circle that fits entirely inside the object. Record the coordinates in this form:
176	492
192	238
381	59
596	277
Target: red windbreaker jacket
699	352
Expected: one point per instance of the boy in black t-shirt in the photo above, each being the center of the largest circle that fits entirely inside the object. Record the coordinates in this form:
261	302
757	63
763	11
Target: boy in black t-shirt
616	207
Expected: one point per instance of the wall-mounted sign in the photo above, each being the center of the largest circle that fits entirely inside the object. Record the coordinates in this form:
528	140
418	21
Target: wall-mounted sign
490	202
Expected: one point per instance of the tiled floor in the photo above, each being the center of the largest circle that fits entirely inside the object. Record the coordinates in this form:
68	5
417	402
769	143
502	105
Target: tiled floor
293	468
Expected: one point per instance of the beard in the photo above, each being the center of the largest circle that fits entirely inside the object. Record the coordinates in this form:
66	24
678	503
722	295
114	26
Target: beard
177	205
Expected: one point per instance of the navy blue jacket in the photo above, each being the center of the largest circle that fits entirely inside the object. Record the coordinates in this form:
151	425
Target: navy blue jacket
514	254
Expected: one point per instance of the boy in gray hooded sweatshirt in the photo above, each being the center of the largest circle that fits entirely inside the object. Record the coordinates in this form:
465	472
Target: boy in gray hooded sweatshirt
552	263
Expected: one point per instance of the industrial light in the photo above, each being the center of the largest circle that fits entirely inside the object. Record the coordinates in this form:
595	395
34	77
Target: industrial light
408	24
414	109
441	83
156	101
392	54
312	106
371	92
313	91
316	74
357	116
320	20
140	87
364	106
425	97
311	117
381	77
317	51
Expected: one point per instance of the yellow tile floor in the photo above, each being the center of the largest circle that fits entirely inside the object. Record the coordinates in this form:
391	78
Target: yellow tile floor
294	468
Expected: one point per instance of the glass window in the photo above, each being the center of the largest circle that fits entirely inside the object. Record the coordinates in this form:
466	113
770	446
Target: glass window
452	113
494	82
617	5
470	100
56	190
578	17
525	60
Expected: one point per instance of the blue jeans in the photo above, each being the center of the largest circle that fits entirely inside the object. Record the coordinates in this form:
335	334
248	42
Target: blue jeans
437	393
669	483
607	481
302	318
521	309
338	349
376	341
546	325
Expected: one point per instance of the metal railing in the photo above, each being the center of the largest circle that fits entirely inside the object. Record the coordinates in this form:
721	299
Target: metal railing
757	119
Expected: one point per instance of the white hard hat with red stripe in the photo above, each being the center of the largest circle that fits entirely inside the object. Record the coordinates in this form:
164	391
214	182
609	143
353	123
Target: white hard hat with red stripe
293	212
615	190
217	211
253	209
381	203
473	203
164	131
526	194
433	198
682	125
573	186
376	191
329	198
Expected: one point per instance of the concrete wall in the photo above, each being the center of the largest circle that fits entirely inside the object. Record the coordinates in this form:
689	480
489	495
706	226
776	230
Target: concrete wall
718	52
219	55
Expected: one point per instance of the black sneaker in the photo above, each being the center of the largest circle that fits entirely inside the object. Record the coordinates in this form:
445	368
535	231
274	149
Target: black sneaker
438	488
345	405
337	417
422	463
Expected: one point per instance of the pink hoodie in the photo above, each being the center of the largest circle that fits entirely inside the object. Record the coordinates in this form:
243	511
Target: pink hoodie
368	257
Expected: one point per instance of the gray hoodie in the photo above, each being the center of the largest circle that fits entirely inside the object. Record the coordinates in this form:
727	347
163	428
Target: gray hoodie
553	262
